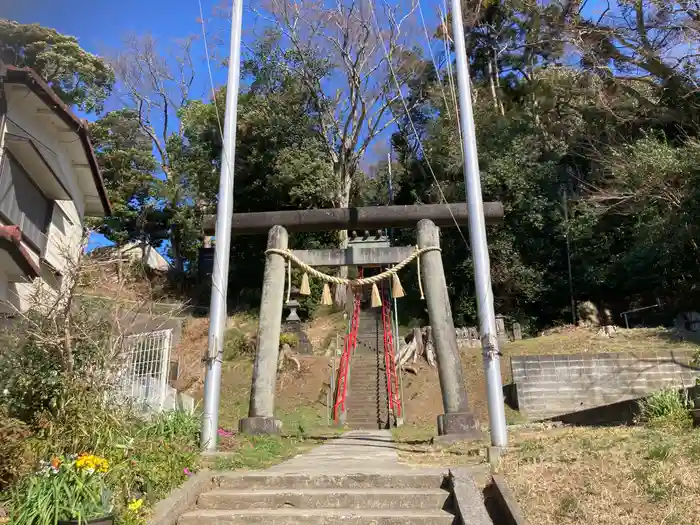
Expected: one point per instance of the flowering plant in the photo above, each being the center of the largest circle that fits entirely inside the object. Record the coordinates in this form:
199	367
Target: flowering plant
68	488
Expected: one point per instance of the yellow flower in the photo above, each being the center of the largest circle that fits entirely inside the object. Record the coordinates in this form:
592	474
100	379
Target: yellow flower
91	463
135	505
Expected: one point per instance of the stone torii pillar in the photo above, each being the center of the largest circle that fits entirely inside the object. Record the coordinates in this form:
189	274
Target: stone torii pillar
261	417
458	420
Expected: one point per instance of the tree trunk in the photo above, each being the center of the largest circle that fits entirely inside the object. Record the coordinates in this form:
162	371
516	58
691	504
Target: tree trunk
497	80
345	179
492	85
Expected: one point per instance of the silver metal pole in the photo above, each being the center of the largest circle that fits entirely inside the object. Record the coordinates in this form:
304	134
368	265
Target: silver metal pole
477	234
224	216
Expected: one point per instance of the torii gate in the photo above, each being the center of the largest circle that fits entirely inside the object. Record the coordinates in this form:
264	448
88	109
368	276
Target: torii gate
458	420
477	231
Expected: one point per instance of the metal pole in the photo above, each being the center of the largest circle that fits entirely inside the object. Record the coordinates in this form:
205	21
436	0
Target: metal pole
222	250
477	233
565	204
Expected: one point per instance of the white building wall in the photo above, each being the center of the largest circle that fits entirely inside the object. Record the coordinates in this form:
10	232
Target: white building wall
64	238
25	117
64	234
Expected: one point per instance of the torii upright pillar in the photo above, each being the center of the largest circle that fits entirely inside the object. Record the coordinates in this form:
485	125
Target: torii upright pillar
261	417
458	420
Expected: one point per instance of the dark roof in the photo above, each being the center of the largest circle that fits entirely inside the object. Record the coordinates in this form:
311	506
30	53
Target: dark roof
11	241
29	77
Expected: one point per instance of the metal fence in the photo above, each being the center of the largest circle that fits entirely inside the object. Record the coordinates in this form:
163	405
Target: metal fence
147	359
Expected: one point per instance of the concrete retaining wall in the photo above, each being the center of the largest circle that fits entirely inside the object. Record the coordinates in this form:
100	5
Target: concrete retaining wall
555	385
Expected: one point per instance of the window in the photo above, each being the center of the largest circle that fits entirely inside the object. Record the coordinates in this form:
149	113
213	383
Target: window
23	204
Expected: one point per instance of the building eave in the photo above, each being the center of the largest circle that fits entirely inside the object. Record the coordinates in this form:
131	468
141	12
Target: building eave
29	78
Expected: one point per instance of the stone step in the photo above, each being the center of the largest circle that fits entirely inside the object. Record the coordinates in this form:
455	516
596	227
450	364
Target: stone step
316	517
397	499
364	407
365	412
367	395
262	480
366	423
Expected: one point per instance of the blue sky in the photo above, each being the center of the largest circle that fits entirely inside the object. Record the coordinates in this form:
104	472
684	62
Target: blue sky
100	25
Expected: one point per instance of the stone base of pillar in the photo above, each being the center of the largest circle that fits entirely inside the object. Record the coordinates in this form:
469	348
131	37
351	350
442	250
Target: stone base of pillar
252	426
459	426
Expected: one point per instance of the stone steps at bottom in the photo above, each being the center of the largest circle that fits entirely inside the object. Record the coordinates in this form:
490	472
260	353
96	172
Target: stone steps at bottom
291	516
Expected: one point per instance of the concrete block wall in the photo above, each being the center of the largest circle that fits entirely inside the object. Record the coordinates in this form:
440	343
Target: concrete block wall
555	385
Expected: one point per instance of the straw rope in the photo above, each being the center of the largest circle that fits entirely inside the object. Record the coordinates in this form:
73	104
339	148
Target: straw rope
287	254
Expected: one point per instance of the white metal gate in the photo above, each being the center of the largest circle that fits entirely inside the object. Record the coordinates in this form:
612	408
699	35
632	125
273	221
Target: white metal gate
147	357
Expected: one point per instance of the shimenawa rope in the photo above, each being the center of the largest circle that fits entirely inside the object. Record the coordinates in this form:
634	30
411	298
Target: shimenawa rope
389	273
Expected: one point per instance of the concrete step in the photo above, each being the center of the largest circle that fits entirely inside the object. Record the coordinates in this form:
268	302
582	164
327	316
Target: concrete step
315	517
397	499
355	412
262	480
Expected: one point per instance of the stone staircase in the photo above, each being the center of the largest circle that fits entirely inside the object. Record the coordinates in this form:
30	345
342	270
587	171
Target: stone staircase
368	403
412	498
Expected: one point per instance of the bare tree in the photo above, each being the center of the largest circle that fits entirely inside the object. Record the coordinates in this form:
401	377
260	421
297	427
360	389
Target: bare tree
157	83
650	42
353	71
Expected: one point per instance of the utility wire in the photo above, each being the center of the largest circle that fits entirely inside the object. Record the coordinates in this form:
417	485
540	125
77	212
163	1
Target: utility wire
450	75
408	116
218	286
432	57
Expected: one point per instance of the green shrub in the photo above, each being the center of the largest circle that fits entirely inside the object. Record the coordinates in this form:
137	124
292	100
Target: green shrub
173	425
39	365
83	420
237	345
289	339
32	379
15	454
61	392
667	408
65	489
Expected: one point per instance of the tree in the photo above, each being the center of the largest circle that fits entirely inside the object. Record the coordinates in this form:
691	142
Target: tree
125	156
156	84
280	161
79	78
352	71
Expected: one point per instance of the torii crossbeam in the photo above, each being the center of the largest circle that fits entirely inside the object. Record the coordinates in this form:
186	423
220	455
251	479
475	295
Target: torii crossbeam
365	218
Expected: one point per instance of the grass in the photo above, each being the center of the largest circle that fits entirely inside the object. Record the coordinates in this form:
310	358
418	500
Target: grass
260	452
605	476
579	475
302	429
586	341
667	408
304	423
